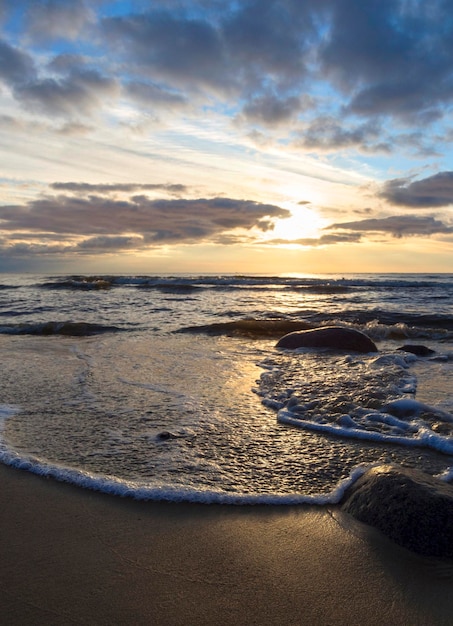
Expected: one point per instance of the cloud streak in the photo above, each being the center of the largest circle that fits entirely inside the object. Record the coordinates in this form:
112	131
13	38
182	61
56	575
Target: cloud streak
397	226
111	188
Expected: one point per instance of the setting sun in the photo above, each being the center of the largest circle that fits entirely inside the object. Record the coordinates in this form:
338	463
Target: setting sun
304	223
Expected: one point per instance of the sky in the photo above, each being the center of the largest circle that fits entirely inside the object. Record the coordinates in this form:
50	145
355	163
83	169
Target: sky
262	136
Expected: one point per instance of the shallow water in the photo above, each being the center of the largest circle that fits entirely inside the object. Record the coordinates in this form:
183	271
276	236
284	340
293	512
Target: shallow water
130	405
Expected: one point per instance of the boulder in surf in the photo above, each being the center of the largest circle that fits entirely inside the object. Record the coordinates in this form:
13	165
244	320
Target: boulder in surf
412	508
335	337
417	349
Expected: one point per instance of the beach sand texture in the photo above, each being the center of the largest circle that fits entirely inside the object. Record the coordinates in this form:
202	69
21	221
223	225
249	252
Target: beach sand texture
72	556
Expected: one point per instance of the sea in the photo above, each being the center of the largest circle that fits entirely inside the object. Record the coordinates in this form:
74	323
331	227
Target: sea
171	387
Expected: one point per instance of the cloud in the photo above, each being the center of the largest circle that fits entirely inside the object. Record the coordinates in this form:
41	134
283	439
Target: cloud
16	67
264	61
433	191
23	249
66	87
269	42
75	129
157	221
242	51
87	188
57	19
391	58
329	133
80	93
397	226
324	240
272	110
187	51
104	243
148	93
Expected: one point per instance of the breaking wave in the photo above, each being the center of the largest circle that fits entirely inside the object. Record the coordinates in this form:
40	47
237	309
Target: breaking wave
360	398
72	329
375	328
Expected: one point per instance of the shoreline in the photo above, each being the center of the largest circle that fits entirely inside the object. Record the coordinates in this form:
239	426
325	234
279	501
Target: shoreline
74	556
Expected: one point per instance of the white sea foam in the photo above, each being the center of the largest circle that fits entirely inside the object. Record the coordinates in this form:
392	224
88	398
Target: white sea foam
372	400
159	491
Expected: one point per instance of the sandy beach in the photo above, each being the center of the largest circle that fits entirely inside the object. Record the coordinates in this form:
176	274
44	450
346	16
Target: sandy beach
72	556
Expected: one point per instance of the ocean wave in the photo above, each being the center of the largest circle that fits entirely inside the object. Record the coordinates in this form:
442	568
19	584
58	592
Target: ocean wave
327	288
410	281
369	427
80	282
367	323
138	490
170	287
393	324
72	329
254	328
158	490
371	399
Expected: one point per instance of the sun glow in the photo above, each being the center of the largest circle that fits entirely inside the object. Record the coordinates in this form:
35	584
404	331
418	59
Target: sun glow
304	223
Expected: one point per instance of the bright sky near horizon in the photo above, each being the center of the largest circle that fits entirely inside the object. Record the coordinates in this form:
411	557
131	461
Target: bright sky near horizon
266	136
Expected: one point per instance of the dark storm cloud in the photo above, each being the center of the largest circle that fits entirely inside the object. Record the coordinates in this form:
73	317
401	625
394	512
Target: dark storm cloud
87	188
434	191
158	221
397	226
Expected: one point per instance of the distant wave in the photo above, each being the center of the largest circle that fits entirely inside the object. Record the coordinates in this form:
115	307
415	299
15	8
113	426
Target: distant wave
399	323
322	288
389	326
250	328
80	282
322	285
72	329
171	287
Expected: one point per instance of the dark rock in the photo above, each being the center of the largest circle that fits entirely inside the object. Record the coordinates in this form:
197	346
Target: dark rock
165	435
416	349
412	508
329	337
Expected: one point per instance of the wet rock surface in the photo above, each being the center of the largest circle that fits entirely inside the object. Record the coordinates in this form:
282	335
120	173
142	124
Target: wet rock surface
335	337
412	508
417	349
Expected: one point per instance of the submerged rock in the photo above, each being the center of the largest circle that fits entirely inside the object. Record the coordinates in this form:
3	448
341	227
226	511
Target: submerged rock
165	435
329	337
412	508
417	349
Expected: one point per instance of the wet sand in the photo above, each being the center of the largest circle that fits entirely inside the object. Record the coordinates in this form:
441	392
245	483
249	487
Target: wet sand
71	556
